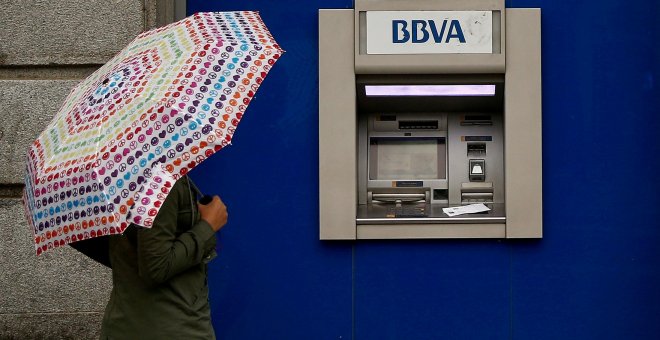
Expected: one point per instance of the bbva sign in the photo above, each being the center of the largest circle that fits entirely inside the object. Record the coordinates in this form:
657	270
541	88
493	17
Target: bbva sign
429	32
420	31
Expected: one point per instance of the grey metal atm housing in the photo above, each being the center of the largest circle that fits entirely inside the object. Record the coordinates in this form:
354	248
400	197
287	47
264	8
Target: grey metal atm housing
390	161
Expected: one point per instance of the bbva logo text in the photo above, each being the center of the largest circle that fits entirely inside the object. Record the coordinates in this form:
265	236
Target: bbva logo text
418	31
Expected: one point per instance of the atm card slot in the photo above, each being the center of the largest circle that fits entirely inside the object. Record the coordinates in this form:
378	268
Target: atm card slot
476	149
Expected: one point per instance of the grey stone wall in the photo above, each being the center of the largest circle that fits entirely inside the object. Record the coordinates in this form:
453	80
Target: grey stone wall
46	47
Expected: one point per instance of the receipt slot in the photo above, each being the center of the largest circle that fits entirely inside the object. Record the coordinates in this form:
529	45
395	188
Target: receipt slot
424	108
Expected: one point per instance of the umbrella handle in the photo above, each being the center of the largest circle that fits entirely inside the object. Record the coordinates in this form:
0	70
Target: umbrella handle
205	200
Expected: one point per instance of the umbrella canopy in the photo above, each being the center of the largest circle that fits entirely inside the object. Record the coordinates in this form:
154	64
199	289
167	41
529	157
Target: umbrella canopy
170	99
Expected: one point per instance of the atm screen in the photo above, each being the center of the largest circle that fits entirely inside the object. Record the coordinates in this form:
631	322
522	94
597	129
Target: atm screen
407	158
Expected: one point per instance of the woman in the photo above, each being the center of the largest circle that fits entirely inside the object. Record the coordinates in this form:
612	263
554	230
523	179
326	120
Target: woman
159	274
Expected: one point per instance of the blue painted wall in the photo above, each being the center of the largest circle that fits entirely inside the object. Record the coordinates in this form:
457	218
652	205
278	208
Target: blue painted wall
594	275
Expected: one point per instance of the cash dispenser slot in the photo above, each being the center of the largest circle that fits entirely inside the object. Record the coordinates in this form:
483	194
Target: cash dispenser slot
400	195
476	193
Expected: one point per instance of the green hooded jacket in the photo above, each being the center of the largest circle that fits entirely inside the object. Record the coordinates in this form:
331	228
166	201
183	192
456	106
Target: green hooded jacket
159	274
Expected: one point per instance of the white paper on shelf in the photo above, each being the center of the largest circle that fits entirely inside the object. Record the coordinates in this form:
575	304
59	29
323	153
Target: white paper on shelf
465	209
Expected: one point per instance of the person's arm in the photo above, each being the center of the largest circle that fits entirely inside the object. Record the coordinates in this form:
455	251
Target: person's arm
161	254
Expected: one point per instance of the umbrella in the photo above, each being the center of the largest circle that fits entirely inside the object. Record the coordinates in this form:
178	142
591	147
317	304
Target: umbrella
173	97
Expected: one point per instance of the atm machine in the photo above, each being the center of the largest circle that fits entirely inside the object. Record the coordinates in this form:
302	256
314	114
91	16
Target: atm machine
428	105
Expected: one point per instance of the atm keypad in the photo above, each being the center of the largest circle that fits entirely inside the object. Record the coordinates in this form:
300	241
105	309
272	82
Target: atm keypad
405	211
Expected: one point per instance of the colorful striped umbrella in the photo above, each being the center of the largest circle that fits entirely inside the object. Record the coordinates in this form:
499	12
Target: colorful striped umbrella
170	99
